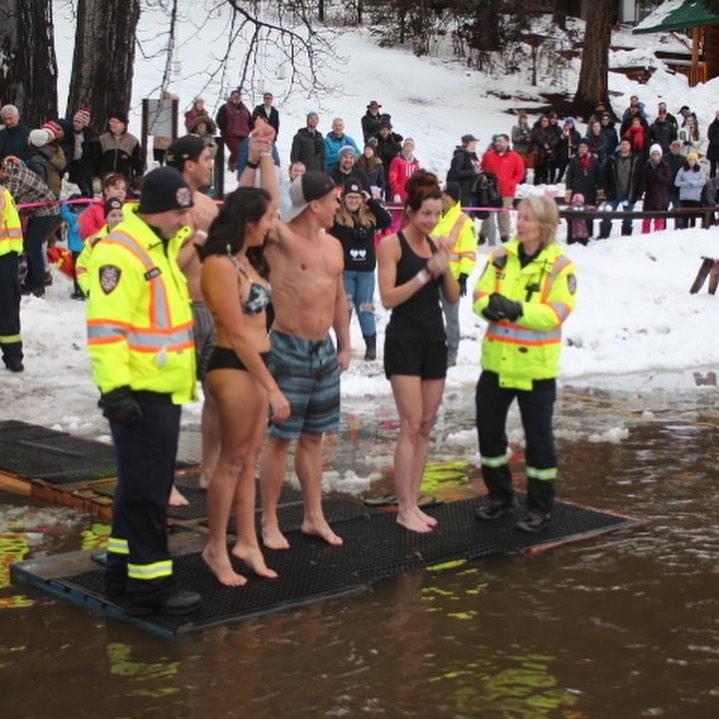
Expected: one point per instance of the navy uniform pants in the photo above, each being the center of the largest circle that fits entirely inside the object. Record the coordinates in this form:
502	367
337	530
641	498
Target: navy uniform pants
536	407
138	559
10	340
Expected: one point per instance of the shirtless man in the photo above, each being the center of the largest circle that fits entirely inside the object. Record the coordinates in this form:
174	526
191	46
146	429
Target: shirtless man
191	157
308	296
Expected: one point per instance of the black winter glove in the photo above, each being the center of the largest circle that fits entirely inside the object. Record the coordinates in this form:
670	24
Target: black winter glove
462	279
500	308
120	406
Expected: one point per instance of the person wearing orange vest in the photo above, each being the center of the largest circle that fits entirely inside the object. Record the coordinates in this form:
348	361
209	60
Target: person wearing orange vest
527	291
140	339
459	227
10	248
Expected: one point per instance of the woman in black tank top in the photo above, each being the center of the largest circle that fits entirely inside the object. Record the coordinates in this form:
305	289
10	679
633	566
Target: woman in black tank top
412	269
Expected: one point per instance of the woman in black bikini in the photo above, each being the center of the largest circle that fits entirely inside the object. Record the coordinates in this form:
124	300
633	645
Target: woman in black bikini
412	269
235	288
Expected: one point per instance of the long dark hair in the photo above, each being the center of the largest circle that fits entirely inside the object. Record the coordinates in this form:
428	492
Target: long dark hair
226	234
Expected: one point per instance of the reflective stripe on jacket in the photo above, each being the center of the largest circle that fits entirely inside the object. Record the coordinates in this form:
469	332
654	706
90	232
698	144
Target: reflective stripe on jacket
11	228
528	349
139	320
460	228
83	259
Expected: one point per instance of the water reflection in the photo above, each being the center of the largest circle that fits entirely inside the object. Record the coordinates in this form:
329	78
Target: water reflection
624	625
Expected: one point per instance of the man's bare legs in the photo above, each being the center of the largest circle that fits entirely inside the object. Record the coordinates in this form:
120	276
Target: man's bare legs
308	465
273	467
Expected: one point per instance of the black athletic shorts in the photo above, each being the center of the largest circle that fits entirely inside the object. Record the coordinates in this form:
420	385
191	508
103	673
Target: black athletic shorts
427	360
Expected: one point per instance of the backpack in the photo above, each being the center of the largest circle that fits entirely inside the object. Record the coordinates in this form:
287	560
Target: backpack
484	192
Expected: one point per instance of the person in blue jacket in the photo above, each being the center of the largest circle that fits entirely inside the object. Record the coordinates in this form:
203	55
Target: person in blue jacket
69	212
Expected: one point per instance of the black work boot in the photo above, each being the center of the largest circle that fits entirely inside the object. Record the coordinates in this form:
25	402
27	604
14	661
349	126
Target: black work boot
494	510
533	522
371	344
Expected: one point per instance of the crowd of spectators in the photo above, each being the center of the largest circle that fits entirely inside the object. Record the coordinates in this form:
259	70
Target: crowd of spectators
612	162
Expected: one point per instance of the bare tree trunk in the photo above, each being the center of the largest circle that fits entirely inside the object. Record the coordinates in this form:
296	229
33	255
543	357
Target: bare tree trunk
593	75
559	15
102	65
28	67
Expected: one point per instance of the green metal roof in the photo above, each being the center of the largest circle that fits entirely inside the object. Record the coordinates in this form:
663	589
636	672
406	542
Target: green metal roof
675	15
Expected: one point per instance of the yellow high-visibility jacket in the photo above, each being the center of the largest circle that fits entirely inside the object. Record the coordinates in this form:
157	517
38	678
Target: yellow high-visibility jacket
527	349
11	228
83	259
459	228
139	321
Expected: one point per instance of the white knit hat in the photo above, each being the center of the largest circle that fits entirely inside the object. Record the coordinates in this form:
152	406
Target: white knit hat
39	138
655	148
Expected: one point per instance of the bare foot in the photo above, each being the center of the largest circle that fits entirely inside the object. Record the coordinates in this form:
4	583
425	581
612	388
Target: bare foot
431	521
252	557
219	564
409	520
272	538
177	499
322	530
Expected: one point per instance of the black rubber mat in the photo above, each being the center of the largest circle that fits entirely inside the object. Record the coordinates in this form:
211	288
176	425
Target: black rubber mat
197	509
35	452
291	515
375	547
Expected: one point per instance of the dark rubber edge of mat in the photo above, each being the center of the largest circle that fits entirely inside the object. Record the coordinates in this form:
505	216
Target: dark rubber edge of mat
98	604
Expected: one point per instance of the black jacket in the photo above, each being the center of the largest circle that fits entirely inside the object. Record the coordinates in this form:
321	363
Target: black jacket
309	148
584	180
358	242
273	120
462	170
636	178
662	133
370	125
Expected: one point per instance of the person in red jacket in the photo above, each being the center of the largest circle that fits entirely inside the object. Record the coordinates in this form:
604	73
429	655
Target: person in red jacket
401	169
92	220
636	134
508	166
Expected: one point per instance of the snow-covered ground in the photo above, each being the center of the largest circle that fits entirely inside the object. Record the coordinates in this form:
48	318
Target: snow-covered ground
636	326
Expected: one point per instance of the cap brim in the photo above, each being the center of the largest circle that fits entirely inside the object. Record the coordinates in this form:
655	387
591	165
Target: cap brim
295	212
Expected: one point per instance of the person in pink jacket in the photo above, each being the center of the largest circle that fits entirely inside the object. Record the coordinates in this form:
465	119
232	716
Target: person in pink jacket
401	169
508	166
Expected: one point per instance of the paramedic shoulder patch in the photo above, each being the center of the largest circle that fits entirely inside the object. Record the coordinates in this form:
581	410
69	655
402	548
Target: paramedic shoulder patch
109	278
572	284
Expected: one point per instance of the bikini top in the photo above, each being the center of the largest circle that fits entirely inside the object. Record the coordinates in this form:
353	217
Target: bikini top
259	296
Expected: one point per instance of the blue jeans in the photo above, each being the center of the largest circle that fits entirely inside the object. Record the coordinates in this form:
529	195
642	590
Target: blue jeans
606	226
359	288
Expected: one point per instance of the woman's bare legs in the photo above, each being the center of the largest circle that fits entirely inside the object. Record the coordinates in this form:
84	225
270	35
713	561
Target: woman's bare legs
242	407
417	402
